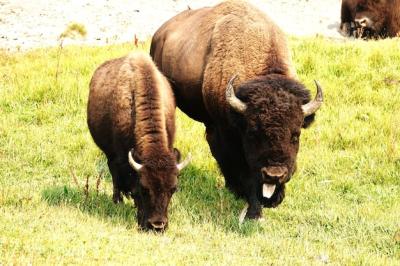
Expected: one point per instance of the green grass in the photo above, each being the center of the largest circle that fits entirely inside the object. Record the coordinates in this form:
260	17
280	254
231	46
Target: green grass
342	206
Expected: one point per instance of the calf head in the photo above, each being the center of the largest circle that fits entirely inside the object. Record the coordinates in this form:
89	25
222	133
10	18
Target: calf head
269	114
156	184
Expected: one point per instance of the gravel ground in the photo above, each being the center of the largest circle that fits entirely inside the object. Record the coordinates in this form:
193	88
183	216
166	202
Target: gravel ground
26	24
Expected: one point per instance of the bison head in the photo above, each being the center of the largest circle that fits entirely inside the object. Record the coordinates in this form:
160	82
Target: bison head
269	113
156	184
371	15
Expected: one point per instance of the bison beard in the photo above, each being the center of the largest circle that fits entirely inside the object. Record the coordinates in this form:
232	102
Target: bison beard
253	127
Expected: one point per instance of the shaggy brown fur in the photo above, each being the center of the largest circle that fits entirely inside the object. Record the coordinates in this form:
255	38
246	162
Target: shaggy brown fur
131	106
200	50
370	18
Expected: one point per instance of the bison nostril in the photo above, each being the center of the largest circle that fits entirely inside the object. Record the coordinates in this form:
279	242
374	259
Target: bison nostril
274	173
157	224
361	22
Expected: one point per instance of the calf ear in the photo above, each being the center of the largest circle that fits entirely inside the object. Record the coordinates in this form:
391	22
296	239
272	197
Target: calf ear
308	120
177	154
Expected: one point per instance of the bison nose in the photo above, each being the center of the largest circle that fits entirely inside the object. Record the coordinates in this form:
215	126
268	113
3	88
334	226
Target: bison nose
362	22
157	223
274	173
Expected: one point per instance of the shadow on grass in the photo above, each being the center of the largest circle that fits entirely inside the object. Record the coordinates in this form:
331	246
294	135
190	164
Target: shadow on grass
204	198
90	199
199	199
96	204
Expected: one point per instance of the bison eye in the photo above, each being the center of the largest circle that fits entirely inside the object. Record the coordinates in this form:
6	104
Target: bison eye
295	138
173	190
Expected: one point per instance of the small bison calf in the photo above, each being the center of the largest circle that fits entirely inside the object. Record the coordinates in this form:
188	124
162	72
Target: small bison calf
131	117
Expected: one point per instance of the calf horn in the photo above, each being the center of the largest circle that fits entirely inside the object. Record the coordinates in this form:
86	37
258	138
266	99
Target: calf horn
231	98
135	165
311	107
183	164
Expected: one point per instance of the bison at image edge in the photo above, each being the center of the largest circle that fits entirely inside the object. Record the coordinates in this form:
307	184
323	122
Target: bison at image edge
370	18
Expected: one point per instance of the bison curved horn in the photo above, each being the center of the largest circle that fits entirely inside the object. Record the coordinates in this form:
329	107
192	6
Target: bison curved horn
311	107
231	98
183	164
135	165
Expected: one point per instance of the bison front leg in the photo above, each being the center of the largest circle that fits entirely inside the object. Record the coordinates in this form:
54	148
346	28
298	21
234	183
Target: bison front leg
347	29
347	25
112	165
232	165
254	210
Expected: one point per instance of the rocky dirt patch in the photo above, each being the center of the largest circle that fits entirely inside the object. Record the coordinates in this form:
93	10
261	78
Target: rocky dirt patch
26	24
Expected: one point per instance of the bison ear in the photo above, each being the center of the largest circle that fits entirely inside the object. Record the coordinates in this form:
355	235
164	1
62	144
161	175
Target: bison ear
308	120
177	154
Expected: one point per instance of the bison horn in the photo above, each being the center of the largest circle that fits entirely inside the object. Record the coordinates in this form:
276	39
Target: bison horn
231	98
311	107
135	165
183	164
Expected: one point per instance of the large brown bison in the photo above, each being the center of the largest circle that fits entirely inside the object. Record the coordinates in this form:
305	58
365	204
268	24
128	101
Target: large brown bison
370	18
230	68
131	109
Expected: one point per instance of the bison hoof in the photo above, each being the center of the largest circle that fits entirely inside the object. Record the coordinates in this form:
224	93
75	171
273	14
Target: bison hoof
250	214
117	198
254	216
345	29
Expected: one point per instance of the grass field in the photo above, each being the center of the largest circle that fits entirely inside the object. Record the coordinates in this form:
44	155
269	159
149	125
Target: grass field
341	207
